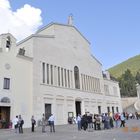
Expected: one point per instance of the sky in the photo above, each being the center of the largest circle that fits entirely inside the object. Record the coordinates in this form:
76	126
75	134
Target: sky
111	26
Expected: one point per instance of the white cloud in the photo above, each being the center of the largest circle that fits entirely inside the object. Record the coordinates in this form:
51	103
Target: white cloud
4	4
21	23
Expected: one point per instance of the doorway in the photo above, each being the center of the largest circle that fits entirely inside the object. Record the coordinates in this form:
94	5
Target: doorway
113	109
4	117
78	107
47	111
99	109
108	109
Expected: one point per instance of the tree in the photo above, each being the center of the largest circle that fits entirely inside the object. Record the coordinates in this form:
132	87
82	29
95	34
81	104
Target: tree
138	77
127	84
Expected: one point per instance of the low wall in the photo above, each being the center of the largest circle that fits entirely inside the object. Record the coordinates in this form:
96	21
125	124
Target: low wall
128	104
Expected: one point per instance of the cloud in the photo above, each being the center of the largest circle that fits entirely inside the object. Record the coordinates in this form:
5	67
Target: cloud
22	22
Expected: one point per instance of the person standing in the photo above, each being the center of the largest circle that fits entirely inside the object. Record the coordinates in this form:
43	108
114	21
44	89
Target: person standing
79	122
106	121
20	123
51	121
122	120
90	123
137	115
15	123
116	118
84	122
43	124
94	121
33	122
98	122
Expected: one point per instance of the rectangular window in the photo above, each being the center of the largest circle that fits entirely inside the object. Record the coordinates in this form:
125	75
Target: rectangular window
62	77
43	72
59	76
65	77
92	84
82	82
6	84
86	82
115	91
47	73
99	85
51	75
106	89
68	78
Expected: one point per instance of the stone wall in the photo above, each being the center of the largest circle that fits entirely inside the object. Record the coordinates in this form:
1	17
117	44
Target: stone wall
128	104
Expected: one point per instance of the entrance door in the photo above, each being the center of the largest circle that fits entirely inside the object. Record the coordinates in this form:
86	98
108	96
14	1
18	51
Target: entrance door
108	109
99	109
47	111
4	117
78	107
113	109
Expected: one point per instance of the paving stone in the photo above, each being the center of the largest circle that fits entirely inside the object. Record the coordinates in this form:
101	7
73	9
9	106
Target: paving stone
70	132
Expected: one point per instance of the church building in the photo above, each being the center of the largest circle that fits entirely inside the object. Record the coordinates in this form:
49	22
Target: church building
53	72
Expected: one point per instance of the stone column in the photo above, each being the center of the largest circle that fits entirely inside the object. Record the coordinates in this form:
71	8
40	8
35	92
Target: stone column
82	107
138	90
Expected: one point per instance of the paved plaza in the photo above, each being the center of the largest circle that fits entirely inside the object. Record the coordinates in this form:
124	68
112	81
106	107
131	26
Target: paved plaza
70	132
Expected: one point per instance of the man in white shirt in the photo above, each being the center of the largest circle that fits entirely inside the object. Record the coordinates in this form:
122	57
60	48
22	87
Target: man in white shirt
15	124
51	123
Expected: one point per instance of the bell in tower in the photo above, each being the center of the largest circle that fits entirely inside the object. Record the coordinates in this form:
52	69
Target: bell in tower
8	44
7	41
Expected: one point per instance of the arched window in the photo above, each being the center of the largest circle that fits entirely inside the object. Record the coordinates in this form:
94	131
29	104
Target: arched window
76	77
8	43
5	100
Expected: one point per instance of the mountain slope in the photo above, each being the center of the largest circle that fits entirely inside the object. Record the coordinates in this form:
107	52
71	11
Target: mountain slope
133	64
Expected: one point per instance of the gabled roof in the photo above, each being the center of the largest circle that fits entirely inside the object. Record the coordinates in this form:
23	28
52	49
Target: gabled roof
52	23
34	35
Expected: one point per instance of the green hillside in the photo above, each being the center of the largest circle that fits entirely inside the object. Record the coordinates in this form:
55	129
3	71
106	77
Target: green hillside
133	64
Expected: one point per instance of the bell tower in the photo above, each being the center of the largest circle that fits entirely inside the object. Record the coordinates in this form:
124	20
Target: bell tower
7	42
70	20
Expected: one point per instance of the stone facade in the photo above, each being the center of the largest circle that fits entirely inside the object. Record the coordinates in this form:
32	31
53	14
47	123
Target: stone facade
53	71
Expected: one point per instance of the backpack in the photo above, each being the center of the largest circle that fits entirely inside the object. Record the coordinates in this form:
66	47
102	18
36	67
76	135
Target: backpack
34	122
22	121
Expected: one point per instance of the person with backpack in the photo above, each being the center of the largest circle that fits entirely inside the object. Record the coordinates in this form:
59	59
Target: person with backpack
20	124
33	123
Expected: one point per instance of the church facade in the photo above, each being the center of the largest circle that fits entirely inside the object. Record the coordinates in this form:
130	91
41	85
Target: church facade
53	72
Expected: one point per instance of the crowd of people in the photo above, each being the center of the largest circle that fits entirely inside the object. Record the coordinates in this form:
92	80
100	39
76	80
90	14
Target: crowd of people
103	121
87	121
